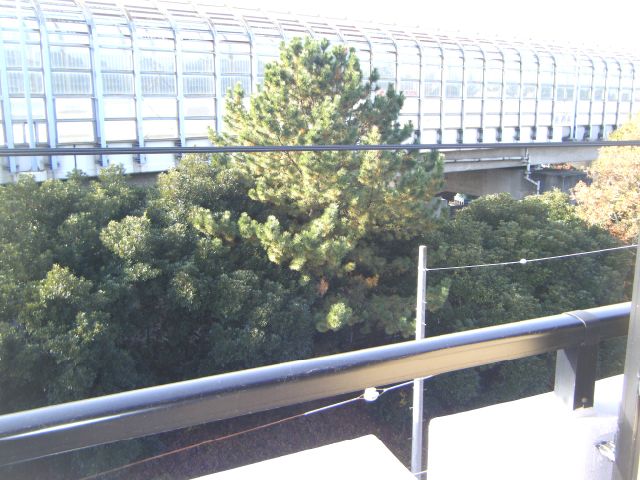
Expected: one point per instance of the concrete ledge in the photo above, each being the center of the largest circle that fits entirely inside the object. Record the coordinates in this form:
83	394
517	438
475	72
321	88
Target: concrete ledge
533	438
363	458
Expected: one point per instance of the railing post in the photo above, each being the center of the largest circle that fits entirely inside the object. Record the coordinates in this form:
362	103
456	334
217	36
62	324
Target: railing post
576	375
418	392
627	449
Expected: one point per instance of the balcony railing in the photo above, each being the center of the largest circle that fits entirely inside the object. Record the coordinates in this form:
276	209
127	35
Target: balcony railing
60	428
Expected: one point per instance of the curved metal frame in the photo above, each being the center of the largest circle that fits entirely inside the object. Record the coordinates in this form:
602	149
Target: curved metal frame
458	43
418	47
98	86
137	76
26	81
46	76
177	41
216	66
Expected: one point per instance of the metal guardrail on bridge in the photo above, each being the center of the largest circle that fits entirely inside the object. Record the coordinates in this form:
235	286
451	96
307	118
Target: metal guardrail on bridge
61	151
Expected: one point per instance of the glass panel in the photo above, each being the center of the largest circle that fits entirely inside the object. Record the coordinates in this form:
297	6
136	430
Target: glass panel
494	90
158	62
198	128
494	75
158	84
198	46
454	90
410	88
409	72
160	129
16	83
432	89
546	77
199	107
119	108
410	106
546	92
19	108
230	48
70	57
474	90
159	108
13	55
454	73
197	62
119	130
512	90
432	73
564	93
598	94
117	83
41	133
585	93
474	75
120	41
529	91
67	108
36	83
198	85
20	135
72	132
385	70
612	94
530	76
115	59
71	83
230	82
512	76
235	64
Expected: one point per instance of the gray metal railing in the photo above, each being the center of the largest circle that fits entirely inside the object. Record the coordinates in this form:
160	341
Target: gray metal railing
46	431
61	151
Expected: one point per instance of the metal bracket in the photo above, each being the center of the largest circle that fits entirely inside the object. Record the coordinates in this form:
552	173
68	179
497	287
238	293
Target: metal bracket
576	367
607	449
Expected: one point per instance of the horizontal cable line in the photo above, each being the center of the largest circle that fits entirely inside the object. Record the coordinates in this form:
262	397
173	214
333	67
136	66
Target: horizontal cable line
61	151
381	391
524	261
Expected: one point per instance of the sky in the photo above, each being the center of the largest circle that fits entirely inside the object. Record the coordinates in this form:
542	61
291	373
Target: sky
611	23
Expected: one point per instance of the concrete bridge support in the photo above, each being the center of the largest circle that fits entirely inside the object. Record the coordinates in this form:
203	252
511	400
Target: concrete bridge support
485	182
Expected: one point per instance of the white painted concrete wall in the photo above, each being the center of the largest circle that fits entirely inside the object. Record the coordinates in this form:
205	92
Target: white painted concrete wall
535	438
364	458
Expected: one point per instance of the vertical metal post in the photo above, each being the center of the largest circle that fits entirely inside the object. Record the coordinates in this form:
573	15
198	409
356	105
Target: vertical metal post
418	392
576	375
627	441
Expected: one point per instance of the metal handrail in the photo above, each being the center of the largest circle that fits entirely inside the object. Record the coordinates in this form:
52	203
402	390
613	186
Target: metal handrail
50	430
48	151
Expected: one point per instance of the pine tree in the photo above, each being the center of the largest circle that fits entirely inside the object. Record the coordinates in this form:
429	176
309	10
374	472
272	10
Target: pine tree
342	219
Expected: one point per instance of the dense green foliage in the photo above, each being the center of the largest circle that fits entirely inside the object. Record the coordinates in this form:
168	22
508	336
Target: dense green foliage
107	287
496	229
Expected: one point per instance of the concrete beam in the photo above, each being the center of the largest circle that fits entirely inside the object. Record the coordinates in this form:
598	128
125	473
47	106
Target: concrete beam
546	155
492	158
485	182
